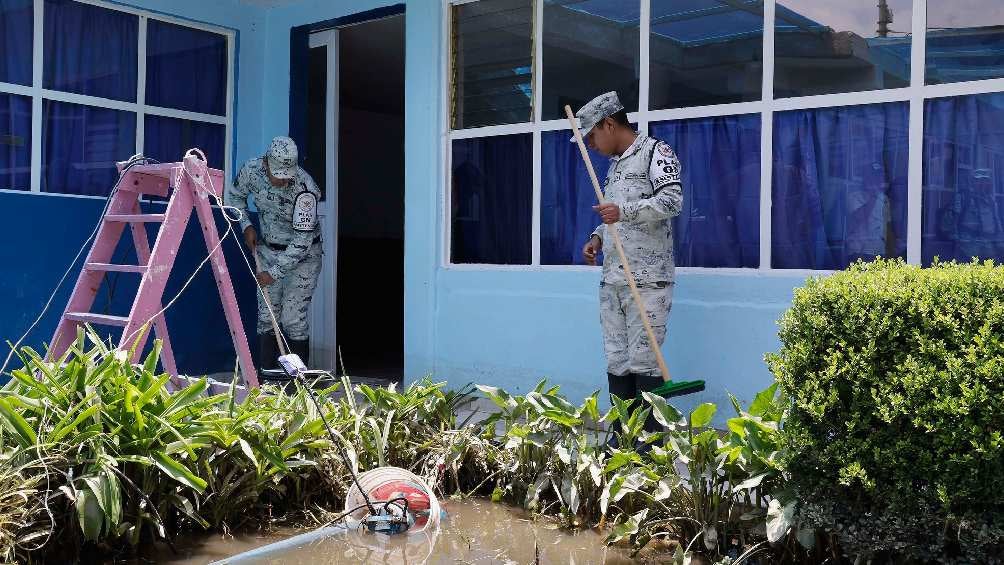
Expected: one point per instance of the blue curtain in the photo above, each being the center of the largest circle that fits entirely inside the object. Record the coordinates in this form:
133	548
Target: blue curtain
82	145
963	202
90	50
840	185
186	68
167	139
16	17
719	225
15	142
492	200
566	199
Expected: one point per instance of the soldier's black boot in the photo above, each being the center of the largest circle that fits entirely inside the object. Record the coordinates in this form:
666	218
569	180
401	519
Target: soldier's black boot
268	352
302	348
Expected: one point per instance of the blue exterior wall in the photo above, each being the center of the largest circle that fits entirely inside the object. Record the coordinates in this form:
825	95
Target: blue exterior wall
503	327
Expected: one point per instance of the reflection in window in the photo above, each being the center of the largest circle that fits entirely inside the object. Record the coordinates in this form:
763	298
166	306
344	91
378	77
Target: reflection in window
826	214
567	198
963	200
492	61
492	200
590	47
16	32
90	50
15	142
719	225
965	41
830	47
705	52
82	145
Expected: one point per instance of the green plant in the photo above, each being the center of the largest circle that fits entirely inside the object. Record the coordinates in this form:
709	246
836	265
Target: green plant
896	385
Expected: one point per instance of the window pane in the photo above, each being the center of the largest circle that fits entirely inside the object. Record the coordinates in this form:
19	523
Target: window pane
828	47
492	200
15	142
963	198
82	145
16	17
167	140
90	50
719	225
567	198
590	47
186	68
965	41
705	52
492	62
840	185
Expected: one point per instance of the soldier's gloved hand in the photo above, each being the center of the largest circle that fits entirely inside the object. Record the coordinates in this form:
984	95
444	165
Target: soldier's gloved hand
264	278
591	248
250	238
609	212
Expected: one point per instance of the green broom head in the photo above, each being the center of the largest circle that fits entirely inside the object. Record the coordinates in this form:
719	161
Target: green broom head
670	389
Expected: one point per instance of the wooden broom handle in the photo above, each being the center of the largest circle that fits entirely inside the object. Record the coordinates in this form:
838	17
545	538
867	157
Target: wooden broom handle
612	230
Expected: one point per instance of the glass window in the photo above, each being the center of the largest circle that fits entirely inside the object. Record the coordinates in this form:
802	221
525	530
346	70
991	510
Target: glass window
567	198
90	50
963	202
81	146
719	225
590	47
840	185
15	142
829	47
492	63
492	200
705	52
167	139
186	68
965	41
16	34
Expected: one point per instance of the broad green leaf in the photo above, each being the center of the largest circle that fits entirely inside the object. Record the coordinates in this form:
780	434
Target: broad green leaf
764	400
702	415
668	416
89	514
177	471
779	520
628	528
23	432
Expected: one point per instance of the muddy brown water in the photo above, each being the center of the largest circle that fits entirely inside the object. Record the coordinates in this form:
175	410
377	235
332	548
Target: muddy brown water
474	531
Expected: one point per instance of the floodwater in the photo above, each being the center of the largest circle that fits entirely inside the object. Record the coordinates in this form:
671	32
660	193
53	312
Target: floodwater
474	531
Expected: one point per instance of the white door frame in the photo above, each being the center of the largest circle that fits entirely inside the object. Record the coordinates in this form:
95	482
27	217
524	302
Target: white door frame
323	308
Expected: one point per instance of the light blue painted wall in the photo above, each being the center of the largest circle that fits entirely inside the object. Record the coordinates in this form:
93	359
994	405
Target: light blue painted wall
509	328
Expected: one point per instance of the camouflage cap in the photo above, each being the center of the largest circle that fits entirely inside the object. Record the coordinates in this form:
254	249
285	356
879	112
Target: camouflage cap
282	158
602	106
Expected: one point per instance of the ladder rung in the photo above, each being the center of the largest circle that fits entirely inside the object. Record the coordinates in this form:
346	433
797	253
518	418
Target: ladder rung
99	319
135	218
115	268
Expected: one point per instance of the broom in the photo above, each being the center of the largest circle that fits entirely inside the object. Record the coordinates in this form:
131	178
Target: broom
668	388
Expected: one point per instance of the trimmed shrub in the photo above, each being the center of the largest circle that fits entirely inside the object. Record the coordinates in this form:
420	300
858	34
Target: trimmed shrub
896	379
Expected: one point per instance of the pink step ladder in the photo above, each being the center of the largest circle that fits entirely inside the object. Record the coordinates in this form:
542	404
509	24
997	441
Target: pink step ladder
193	184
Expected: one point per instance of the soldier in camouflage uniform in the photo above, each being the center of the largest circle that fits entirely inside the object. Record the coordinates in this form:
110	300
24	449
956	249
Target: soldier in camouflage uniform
290	247
643	193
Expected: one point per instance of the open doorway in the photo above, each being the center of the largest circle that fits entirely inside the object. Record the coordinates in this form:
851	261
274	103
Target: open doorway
358	311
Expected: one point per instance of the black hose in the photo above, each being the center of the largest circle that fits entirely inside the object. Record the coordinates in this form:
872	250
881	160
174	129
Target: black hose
334	439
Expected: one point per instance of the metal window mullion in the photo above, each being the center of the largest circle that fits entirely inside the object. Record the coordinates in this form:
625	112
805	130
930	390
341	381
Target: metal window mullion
141	85
644	27
767	135
37	49
538	111
915	178
228	132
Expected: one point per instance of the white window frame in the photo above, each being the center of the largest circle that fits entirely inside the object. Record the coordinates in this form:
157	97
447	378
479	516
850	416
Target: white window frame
916	94
139	108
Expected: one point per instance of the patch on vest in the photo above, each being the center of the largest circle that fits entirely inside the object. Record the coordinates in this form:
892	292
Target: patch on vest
305	212
664	149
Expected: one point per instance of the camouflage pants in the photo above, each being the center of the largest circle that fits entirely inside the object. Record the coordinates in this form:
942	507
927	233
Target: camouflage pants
290	296
624	338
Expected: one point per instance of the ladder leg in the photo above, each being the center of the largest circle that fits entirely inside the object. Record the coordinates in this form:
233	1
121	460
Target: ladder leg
139	238
151	287
226	288
89	282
